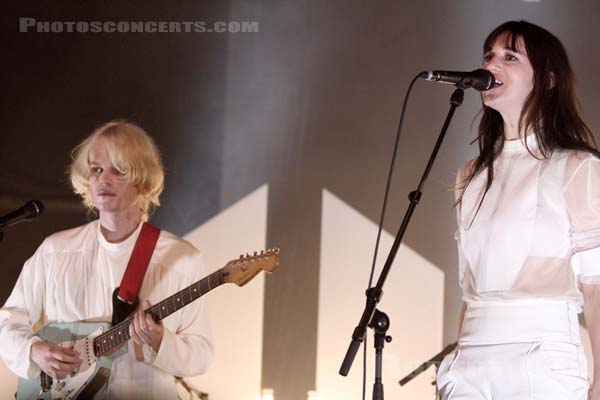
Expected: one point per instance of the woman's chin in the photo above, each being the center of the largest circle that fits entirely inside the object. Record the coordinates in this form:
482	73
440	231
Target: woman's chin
492	101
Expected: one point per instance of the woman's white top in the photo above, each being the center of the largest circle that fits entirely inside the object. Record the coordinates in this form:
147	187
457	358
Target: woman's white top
537	233
71	277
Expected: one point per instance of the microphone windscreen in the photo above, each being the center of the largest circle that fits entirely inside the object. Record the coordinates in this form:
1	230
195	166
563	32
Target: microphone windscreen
33	208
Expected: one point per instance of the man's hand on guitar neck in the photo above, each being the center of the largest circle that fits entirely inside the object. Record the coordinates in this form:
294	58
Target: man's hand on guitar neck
143	329
56	361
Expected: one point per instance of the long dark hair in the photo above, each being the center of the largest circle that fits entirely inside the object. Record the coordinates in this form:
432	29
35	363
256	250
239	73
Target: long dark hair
550	110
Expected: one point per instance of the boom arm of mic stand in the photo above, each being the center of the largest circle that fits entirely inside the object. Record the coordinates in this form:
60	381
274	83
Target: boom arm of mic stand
433	360
373	297
374	294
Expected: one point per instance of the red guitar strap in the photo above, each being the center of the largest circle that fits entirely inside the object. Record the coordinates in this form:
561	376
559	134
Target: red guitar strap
138	263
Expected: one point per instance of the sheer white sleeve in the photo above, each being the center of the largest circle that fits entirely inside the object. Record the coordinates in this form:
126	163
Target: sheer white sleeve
20	315
582	198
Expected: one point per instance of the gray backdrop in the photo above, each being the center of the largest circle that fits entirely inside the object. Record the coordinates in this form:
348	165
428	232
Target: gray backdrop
309	102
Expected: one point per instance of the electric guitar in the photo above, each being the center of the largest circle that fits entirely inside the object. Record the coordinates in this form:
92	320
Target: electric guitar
99	343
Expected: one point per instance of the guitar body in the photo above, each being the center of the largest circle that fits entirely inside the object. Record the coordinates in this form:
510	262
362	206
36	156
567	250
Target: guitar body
91	376
99	344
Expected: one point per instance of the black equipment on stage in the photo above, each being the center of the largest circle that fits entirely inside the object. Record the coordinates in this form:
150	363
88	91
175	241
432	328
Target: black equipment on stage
30	211
480	79
435	360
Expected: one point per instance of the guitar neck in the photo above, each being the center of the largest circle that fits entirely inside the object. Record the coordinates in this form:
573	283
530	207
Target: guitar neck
119	333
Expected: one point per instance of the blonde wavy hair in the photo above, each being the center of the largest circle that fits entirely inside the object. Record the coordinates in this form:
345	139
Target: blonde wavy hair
132	152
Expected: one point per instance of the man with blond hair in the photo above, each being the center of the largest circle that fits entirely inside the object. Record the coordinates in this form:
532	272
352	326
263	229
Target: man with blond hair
71	277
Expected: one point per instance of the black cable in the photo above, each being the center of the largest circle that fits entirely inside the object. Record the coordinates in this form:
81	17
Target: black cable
381	219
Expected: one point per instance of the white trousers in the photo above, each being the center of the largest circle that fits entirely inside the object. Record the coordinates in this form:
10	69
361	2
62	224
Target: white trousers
516	352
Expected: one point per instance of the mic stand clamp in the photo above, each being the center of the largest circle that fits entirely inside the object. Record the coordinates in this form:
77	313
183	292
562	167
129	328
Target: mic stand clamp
380	324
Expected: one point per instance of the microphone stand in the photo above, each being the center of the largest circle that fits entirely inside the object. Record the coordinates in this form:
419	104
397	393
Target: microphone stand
374	294
435	360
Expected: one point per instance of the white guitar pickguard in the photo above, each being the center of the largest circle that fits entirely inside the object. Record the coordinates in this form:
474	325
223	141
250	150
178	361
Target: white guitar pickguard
69	387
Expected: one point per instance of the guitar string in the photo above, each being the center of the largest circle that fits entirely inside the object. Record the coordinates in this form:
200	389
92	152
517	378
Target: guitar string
103	341
107	337
165	303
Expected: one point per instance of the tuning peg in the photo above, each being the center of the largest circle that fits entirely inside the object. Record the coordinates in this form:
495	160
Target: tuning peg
247	255
274	250
262	252
255	254
241	256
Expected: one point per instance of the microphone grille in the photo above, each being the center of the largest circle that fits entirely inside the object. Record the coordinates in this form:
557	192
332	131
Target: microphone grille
483	79
33	208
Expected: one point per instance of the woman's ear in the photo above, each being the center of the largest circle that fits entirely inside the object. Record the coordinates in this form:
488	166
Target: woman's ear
552	82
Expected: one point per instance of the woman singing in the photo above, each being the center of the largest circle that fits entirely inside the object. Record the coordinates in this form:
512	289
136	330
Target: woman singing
529	232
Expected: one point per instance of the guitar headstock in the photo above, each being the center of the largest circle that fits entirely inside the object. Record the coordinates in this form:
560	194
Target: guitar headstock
240	271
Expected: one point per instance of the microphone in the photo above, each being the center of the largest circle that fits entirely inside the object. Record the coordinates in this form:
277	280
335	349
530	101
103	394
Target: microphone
30	211
480	79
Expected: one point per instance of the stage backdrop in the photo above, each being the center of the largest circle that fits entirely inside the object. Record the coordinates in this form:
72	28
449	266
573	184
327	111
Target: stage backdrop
280	136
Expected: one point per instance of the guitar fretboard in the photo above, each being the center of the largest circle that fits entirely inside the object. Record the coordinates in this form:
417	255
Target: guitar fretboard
119	333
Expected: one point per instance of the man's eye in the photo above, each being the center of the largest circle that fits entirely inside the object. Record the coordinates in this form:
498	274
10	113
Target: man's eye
116	172
510	57
487	57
